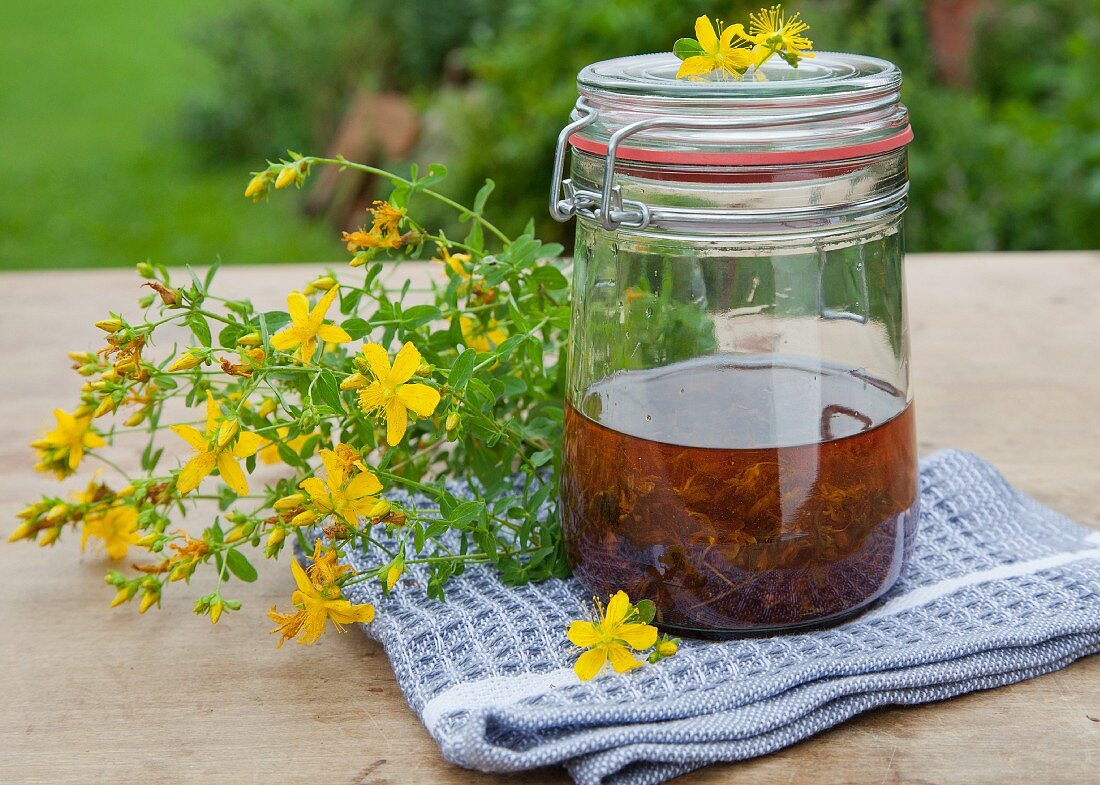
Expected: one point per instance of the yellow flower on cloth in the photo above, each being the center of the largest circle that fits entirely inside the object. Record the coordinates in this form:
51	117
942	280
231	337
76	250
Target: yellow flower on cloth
773	32
308	326
390	393
610	636
346	498
117	527
482	336
317	600
223	445
717	52
62	449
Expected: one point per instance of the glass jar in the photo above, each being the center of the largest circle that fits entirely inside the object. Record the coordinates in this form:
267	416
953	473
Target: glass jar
739	440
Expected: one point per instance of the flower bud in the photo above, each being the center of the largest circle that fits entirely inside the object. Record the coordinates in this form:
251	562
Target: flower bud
49	537
257	186
22	532
304	518
145	270
57	512
122	596
216	610
137	418
250	339
291	502
423	369
667	648
378	509
239	532
322	284
188	360
276	537
109	325
227	430
148	599
452	421
288	176
393	574
106	406
354	382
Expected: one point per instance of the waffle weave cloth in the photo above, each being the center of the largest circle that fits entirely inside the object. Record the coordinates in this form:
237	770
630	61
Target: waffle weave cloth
999	589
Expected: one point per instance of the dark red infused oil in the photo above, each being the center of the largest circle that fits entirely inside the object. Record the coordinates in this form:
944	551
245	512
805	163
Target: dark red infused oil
740	496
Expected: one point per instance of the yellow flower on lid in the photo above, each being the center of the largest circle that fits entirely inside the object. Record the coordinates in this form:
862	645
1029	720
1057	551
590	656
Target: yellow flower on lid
222	446
307	327
716	51
390	392
773	32
610	636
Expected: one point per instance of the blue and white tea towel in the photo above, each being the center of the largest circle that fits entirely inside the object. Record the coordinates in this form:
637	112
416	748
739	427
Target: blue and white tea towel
999	589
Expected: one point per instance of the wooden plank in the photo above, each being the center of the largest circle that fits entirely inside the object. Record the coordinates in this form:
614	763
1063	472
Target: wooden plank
1005	364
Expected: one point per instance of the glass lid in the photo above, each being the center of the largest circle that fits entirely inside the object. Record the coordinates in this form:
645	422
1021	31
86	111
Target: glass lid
654	75
832	106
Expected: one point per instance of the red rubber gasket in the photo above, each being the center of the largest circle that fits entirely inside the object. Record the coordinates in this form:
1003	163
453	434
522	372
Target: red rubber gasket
747	159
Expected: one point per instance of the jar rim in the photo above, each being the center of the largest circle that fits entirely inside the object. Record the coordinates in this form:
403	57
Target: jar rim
654	76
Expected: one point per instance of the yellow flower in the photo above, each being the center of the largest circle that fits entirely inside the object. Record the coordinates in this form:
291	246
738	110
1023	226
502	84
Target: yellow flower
384	231
718	51
308	326
347	499
117	527
456	263
316	603
222	445
389	392
610	637
482	336
773	32
61	450
270	453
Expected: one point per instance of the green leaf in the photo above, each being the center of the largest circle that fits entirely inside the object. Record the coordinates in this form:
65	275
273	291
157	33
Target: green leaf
198	325
646	611
549	277
227	338
462	369
436	172
276	320
356	327
687	47
240	566
483	195
328	390
541	457
420	315
349	300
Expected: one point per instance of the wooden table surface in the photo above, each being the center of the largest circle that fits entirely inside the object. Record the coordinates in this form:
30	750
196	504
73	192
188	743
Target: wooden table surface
1005	362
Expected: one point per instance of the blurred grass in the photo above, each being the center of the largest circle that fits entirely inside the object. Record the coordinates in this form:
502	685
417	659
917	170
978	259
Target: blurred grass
94	172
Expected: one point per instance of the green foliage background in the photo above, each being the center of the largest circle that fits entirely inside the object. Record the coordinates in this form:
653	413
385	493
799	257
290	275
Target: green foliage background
127	129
